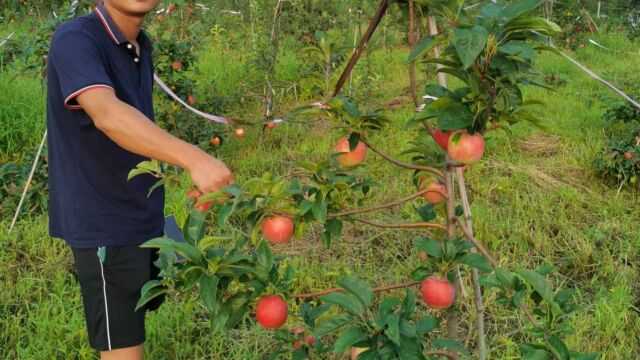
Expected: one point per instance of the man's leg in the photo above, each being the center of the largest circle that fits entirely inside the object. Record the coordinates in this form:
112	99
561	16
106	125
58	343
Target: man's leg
110	279
130	353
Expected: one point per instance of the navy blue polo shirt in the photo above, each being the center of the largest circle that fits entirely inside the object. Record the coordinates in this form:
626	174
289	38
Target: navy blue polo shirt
91	203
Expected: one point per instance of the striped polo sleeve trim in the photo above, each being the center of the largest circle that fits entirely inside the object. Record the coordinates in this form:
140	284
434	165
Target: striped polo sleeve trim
81	91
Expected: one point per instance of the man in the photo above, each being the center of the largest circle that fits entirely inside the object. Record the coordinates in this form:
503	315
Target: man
100	124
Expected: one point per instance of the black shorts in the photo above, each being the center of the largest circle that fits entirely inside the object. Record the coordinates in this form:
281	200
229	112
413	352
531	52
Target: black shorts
110	290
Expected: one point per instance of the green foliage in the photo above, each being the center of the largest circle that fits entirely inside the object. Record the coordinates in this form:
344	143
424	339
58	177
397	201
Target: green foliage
491	53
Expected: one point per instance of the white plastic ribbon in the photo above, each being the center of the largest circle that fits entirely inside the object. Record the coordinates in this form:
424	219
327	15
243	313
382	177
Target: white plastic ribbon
215	118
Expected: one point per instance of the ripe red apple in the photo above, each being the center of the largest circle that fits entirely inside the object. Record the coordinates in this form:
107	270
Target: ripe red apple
215	141
271	311
628	155
191	100
195	194
191	10
297	345
466	148
438	293
310	340
239	133
176	65
356	351
271	125
350	158
434	197
442	138
277	229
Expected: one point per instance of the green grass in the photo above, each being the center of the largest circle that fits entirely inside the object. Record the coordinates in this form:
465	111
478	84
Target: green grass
529	209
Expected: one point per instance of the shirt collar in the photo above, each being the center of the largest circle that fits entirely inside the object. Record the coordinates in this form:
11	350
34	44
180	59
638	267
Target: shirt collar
110	26
114	31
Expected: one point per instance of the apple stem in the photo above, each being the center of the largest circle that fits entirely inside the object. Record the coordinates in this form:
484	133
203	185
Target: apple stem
387	205
403	164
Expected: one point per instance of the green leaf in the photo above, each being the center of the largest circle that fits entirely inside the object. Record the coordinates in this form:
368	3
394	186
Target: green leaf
264	256
506	278
427	212
393	328
305	206
425	45
437	91
333	324
427	325
359	288
409	304
319	210
334	226
477	261
348	338
557	347
209	291
187	250
155	186
430	246
347	302
450	344
537	354
150	290
540	285
519	8
469	43
194	227
455	116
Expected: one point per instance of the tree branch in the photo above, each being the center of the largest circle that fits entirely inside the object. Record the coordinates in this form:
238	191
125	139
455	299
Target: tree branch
420	225
337	289
387	205
403	164
476	243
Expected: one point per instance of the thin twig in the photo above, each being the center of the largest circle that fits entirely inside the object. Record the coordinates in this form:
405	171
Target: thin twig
419	225
403	164
338	289
476	243
387	205
382	8
412	45
477	290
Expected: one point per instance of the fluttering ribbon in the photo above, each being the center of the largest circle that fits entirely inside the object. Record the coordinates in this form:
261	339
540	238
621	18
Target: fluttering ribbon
210	117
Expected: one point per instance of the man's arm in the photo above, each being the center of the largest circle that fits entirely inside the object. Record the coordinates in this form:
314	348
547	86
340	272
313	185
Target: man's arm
133	131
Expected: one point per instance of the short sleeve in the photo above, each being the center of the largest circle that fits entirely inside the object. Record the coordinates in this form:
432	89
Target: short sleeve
79	65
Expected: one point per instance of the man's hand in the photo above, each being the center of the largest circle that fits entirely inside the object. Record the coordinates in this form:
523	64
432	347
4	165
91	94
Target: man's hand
133	131
210	174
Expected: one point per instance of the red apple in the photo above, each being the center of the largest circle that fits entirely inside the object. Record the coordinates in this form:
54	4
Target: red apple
271	125
191	10
628	155
195	195
298	330
170	7
191	100
176	65
438	293
423	255
310	340
466	148
271	311
442	138
277	229
297	345
434	196
239	133
350	158
215	141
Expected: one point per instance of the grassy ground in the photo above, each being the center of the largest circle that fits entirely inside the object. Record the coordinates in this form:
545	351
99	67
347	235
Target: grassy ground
535	200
